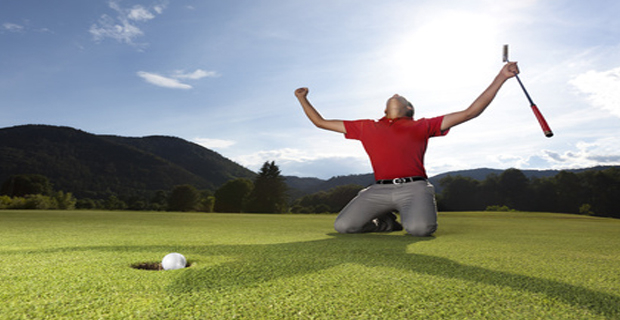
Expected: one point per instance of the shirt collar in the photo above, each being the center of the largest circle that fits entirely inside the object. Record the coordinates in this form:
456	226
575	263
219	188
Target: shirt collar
390	121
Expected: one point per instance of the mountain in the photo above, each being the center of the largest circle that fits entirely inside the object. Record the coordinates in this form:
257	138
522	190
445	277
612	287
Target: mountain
96	166
198	160
304	186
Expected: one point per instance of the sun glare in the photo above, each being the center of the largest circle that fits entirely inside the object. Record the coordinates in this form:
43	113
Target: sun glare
447	50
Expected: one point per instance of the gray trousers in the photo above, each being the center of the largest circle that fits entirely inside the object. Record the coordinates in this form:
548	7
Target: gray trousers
415	201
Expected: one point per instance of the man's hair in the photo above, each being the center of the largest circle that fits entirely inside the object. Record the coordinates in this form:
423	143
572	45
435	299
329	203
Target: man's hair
410	112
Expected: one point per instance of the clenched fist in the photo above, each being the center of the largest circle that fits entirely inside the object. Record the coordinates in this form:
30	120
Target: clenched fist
301	92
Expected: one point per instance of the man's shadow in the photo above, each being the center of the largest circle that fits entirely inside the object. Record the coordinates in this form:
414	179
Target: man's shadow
255	264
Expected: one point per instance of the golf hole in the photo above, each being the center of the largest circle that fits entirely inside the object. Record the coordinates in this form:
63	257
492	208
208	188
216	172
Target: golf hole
153	266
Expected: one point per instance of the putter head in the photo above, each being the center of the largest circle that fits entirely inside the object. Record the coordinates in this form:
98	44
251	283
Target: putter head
505	53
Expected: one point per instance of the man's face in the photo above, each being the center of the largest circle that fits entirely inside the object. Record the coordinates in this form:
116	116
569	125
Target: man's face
399	105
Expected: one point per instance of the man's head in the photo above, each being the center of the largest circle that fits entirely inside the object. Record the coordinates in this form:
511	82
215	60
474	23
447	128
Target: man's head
398	107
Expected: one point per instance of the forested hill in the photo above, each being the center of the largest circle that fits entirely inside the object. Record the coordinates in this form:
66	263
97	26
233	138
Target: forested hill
96	166
304	186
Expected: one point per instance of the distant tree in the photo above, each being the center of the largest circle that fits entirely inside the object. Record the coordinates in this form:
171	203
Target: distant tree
332	200
64	201
270	191
296	208
5	202
206	204
114	203
339	197
37	202
489	191
312	200
603	188
232	195
499	208
206	201
568	188
87	203
460	193
322	208
586	209
25	184
514	189
159	201
183	198
543	195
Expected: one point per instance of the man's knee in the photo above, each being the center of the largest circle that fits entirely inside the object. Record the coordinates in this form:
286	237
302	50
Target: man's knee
421	229
352	226
343	226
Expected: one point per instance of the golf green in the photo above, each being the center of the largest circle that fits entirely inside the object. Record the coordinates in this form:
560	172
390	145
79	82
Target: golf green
479	265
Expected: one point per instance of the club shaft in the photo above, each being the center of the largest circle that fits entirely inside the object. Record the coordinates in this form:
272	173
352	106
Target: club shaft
524	91
541	120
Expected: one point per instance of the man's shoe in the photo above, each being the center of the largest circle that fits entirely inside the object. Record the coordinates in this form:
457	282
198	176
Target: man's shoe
391	222
387	223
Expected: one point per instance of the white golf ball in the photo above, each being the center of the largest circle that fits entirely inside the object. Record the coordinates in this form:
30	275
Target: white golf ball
173	261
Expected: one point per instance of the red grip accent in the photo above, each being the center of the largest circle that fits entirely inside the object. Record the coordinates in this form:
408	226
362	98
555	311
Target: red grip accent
542	121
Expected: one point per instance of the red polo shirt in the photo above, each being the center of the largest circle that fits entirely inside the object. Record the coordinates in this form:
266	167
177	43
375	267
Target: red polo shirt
396	147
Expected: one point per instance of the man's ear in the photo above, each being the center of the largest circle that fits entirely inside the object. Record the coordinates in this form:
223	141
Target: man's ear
410	112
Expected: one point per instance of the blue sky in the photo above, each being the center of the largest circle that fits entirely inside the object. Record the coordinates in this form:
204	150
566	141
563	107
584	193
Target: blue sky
222	74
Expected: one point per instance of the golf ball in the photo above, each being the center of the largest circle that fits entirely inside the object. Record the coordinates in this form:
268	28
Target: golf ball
173	261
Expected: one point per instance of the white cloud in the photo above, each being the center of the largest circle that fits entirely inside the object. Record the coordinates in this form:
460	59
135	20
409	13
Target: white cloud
302	163
587	154
139	13
214	143
600	152
108	27
18	28
123	27
198	74
173	80
162	81
602	88
12	27
159	8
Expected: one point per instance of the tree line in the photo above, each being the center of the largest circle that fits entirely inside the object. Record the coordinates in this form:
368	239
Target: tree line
266	194
590	192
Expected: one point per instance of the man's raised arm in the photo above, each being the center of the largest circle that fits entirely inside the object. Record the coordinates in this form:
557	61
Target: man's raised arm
314	116
477	107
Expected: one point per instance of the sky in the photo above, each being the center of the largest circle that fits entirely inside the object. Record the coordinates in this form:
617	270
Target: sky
222	74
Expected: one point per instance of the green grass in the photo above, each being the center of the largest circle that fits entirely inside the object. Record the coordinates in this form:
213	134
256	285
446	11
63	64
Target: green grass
72	264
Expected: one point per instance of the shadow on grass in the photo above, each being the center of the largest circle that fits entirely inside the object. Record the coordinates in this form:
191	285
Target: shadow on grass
250	265
254	264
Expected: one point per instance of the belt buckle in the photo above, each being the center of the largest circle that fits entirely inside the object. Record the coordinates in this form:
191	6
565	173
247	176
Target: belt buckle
399	180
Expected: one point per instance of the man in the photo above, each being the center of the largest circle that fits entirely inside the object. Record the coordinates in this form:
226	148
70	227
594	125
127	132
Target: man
396	145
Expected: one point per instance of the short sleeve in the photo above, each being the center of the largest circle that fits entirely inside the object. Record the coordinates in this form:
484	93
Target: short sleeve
354	129
434	127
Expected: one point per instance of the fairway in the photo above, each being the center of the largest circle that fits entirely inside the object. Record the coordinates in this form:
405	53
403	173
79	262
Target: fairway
77	264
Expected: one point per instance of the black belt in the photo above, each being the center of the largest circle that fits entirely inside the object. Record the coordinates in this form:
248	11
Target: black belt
400	180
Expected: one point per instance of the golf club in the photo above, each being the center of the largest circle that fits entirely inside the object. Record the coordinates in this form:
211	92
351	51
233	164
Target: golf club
541	120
